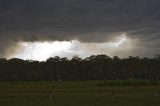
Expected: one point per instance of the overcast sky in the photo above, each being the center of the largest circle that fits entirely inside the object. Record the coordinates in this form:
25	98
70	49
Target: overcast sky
88	22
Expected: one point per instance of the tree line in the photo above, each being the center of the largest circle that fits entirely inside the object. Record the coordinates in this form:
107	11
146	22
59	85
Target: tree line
95	67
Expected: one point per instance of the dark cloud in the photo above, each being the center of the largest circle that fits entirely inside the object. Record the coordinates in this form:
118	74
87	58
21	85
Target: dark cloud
85	20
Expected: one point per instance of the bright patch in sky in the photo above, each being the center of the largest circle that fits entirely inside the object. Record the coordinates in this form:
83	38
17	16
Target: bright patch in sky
43	50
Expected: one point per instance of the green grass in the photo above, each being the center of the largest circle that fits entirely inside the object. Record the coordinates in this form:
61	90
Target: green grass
128	83
79	93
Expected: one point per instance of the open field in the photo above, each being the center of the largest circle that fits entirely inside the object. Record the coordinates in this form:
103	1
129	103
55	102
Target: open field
78	93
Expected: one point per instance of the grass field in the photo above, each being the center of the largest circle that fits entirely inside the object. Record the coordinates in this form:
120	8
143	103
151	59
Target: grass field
78	93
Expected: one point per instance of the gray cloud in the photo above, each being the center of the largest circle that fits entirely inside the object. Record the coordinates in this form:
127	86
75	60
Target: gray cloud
85	20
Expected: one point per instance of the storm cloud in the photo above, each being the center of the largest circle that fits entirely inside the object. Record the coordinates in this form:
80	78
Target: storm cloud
89	21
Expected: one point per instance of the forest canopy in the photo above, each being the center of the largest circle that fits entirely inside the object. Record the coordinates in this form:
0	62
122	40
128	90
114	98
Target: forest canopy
95	67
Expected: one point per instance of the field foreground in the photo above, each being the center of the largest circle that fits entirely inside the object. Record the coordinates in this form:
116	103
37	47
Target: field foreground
77	93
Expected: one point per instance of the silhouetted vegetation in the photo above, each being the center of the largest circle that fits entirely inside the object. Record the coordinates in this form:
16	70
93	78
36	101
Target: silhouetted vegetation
95	67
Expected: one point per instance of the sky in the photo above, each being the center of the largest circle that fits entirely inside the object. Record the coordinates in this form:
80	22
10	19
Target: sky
39	29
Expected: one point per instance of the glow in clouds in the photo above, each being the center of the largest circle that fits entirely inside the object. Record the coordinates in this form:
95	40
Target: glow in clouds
43	50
